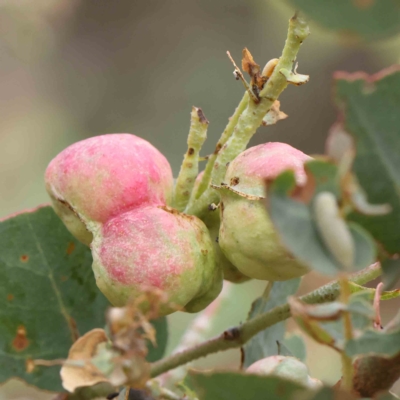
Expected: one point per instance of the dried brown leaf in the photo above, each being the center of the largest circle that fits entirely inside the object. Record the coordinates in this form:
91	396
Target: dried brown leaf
274	114
84	373
254	70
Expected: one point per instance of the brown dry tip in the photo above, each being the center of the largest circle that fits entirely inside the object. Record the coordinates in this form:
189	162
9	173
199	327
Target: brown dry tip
248	63
10	297
70	248
176	212
232	334
20	341
29	365
24	258
74	329
234	181
202	117
190	151
217	148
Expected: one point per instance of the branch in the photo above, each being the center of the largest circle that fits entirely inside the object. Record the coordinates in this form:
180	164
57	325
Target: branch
190	165
226	134
236	337
252	117
195	334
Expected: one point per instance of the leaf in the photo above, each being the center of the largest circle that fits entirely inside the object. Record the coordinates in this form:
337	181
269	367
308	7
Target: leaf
274	114
238	386
83	372
294	223
48	295
324	322
264	344
312	327
157	351
386	396
373	342
292	211
363	19
369	106
365	251
17	389
134	394
294	78
295	344
389	295
322	176
391	272
328	393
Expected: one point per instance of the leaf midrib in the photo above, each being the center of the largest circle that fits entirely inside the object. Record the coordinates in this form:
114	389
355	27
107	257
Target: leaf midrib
63	309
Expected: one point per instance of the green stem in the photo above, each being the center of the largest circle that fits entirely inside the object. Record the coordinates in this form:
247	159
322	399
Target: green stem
226	134
347	364
190	165
237	336
252	117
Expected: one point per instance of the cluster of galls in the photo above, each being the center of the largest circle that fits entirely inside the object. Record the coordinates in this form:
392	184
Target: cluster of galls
114	193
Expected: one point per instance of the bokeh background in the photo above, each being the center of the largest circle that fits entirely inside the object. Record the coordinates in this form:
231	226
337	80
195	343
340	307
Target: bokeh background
71	69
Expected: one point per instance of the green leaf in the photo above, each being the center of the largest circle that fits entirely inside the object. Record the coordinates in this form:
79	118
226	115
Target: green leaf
134	394
365	250
156	352
391	272
294	219
294	223
264	344
363	19
386	396
373	342
324	177
389	295
47	297
328	393
295	344
370	114
324	322
238	386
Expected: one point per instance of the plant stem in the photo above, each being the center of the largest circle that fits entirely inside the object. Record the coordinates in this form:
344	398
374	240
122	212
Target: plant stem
236	337
347	364
195	334
253	115
190	164
226	134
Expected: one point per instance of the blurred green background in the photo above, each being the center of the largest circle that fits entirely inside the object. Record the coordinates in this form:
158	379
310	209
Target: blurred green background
71	69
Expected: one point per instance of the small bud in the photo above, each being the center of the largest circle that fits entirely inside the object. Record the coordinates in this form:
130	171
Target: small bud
269	67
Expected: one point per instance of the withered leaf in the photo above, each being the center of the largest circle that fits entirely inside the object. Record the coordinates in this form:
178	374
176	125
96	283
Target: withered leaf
83	350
